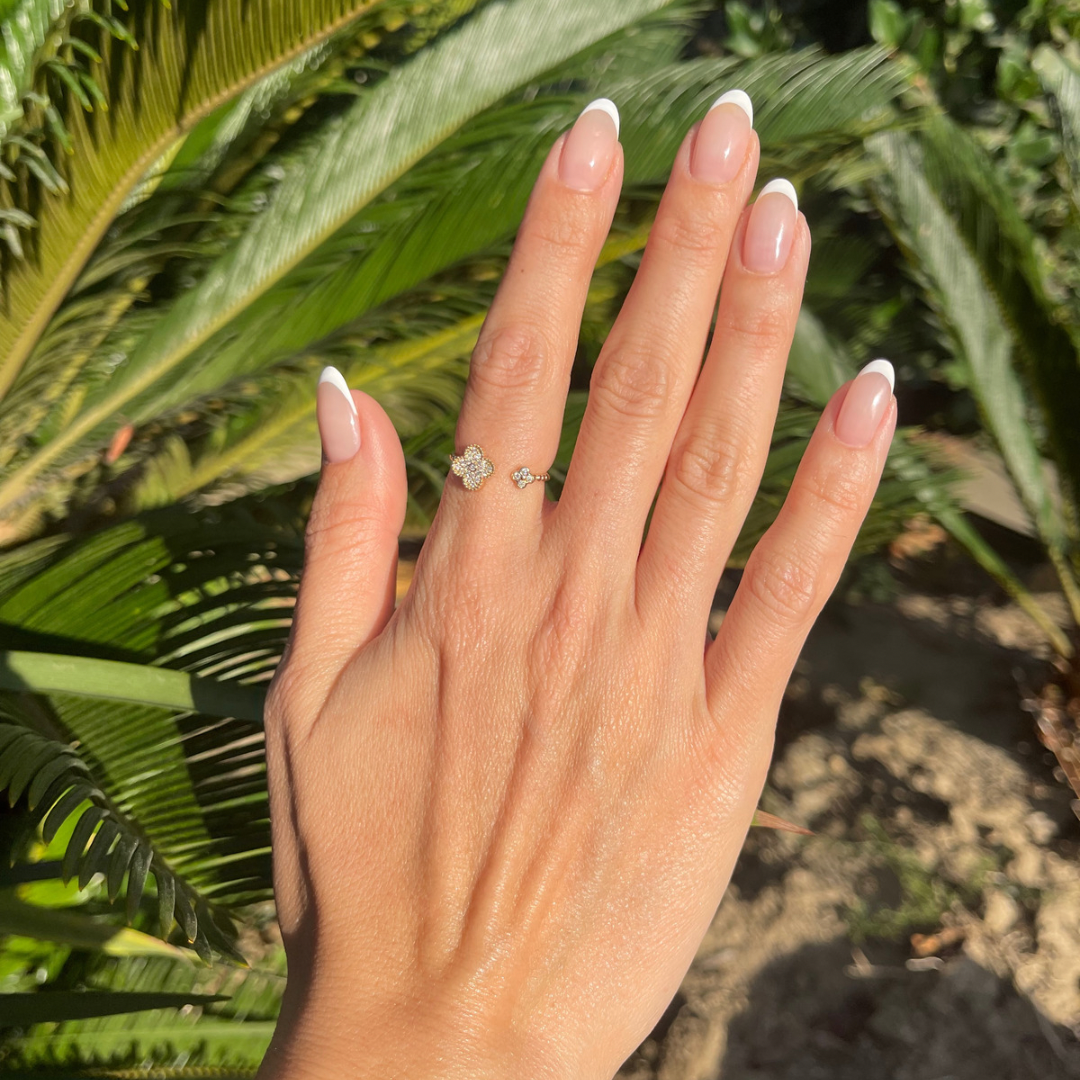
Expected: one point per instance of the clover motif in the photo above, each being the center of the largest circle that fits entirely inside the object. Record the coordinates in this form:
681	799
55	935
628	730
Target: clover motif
471	466
524	476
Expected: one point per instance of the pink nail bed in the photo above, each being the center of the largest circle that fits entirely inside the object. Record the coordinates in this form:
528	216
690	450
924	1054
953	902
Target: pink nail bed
865	405
339	425
589	149
771	228
722	139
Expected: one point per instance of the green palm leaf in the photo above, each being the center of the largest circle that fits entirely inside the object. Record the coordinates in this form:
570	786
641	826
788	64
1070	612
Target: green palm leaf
193	56
989	309
57	783
1061	79
460	200
152	590
351	160
83	676
23	1010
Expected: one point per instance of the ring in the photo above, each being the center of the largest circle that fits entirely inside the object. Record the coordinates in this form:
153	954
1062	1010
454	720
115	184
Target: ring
472	467
524	477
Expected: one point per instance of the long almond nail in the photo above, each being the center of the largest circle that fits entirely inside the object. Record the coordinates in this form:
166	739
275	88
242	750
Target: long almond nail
722	139
865	404
771	228
589	149
339	425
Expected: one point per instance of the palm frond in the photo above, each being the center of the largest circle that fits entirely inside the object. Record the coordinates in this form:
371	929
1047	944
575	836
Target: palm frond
213	51
24	1010
57	783
982	303
349	161
152	590
463	198
1061	81
84	676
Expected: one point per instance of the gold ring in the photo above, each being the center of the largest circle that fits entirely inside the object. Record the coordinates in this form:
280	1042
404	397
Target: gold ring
524	477
472	467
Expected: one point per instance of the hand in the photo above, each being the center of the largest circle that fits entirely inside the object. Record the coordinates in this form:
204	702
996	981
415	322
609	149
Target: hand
504	814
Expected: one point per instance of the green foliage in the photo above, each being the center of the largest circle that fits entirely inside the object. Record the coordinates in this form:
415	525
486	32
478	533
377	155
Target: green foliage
923	896
57	783
139	781
274	188
213	48
986	213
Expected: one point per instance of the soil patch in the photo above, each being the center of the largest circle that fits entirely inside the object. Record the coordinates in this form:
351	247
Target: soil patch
931	926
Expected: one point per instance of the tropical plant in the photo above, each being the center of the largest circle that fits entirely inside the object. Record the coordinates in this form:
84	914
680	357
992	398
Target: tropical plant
984	202
270	191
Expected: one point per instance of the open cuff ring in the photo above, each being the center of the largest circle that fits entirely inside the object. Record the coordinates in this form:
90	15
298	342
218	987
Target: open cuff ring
473	469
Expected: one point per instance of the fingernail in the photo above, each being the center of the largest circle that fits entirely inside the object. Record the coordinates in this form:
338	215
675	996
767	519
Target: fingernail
771	228
722	139
865	404
339	424
589	149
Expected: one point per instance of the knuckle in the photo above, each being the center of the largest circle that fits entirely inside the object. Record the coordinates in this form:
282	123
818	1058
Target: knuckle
510	358
349	530
785	586
710	467
765	328
831	499
632	383
690	235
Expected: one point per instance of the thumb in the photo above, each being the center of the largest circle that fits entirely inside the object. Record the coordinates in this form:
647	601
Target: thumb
347	587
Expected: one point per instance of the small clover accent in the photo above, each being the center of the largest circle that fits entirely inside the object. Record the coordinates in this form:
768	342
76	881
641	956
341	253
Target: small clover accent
471	466
525	476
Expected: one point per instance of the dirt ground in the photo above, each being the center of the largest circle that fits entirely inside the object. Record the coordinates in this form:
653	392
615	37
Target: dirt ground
930	929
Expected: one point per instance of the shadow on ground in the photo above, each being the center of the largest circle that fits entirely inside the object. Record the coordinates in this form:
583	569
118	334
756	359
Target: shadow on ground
930	929
811	1016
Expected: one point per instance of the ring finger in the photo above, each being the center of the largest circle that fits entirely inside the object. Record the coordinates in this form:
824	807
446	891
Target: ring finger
520	369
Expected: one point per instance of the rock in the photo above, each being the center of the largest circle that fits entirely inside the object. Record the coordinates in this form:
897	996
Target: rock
1042	827
1028	868
1002	913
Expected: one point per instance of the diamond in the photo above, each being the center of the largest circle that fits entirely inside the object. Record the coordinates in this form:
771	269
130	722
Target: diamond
524	477
472	467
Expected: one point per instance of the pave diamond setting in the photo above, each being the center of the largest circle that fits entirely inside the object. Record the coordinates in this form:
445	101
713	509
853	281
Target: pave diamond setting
471	466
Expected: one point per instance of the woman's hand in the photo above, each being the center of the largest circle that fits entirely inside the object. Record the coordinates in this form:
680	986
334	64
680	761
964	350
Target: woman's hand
504	814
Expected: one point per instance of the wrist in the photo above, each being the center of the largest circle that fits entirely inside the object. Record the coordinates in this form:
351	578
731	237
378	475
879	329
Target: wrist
327	1037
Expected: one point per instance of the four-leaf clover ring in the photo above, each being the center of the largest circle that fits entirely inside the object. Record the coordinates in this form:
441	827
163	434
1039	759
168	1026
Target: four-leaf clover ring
473	469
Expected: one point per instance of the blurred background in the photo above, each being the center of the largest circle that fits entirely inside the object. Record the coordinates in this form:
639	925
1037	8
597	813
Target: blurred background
203	203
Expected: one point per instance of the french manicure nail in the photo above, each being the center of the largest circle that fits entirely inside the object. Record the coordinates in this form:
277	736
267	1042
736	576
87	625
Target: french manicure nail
865	404
589	149
771	228
339	425
722	139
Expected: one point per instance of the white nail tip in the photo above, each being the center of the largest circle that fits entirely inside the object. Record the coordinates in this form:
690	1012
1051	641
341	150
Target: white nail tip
784	187
605	105
882	367
334	377
736	97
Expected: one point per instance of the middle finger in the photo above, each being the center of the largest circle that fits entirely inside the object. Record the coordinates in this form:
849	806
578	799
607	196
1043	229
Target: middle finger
647	368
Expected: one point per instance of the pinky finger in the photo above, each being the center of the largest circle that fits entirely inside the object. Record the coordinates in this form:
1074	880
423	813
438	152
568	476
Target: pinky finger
796	565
